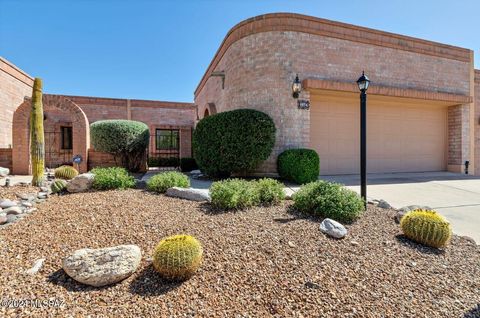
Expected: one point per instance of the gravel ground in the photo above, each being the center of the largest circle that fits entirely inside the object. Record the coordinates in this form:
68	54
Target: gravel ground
262	262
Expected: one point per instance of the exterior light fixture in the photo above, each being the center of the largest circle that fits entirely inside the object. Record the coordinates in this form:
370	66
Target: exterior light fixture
296	87
363	83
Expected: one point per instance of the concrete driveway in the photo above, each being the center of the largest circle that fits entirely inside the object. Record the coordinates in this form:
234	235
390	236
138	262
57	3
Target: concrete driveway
456	196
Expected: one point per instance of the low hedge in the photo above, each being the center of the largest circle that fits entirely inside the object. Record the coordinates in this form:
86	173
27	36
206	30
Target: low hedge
112	178
162	181
329	200
188	164
163	162
299	165
270	191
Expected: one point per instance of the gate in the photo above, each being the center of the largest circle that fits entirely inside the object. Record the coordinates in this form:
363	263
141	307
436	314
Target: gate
164	148
57	150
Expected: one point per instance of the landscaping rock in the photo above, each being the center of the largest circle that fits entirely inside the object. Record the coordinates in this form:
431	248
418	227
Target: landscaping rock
11	218
3	218
4	172
15	210
195	172
188	194
333	228
104	266
5	204
37	265
384	204
27	204
26	196
80	183
42	195
401	212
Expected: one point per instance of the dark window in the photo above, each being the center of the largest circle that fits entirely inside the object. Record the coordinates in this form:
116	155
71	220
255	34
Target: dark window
66	140
166	139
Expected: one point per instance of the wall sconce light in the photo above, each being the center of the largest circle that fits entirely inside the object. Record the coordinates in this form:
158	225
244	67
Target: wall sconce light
296	87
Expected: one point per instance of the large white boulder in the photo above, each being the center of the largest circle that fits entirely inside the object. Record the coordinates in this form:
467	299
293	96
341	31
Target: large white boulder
80	183
103	266
333	228
188	194
4	172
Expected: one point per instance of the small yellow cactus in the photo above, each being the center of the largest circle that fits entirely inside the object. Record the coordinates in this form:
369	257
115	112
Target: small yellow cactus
177	257
426	227
66	172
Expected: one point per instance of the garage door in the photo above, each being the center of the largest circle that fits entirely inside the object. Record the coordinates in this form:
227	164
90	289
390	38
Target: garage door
401	136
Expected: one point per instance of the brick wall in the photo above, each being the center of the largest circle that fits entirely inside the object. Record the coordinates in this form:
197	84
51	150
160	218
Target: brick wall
6	158
14	86
260	68
101	159
458	137
477	122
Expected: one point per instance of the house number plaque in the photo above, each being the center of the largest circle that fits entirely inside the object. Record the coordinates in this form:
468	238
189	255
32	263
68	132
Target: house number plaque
303	104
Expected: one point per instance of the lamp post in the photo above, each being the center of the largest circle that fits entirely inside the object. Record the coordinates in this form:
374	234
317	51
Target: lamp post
363	83
296	87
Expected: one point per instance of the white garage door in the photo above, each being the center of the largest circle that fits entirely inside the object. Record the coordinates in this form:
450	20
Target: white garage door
402	136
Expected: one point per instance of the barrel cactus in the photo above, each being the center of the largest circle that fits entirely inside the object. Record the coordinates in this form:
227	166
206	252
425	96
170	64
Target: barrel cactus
426	227
58	186
177	257
66	172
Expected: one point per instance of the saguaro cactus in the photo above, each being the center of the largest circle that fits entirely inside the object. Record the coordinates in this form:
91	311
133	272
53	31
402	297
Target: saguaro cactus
37	143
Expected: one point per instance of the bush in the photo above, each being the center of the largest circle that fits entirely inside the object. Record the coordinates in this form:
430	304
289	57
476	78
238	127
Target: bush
329	200
112	178
234	194
188	164
269	191
426	227
161	182
299	165
163	162
125	138
177	257
233	141
66	172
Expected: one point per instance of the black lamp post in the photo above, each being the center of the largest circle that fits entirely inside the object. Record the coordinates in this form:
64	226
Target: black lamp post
363	83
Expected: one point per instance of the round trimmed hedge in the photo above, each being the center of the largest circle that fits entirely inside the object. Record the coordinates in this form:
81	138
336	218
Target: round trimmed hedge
125	138
299	165
233	141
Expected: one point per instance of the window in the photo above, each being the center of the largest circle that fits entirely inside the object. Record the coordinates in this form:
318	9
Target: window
166	139
66	138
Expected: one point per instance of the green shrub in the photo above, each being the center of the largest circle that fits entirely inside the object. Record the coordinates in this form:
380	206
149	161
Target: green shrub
299	165
127	139
329	200
269	191
233	141
112	178
188	164
233	194
161	182
163	162
65	172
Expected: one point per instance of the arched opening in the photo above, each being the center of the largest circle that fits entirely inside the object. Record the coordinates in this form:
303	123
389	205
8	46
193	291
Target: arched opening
206	114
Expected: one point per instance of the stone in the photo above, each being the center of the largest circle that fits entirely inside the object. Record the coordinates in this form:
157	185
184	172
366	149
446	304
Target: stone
195	172
80	183
3	218
401	212
37	265
5	204
384	204
27	204
333	228
42	195
4	172
291	244
14	210
11	218
26	196
103	266
188	194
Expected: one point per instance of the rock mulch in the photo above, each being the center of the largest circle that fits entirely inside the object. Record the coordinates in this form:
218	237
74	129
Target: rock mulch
18	202
261	262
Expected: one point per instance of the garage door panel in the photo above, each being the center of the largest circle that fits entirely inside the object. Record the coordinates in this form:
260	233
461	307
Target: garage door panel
401	138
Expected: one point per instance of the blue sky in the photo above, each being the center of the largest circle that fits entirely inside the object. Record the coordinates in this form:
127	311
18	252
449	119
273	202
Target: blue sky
160	49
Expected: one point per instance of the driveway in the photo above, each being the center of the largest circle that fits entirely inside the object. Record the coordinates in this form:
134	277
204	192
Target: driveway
456	196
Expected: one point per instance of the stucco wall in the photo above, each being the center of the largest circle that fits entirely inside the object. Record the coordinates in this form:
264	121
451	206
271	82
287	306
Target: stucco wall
260	68
14	86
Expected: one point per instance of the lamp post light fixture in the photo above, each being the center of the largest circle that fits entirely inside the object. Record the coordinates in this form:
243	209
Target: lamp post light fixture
296	87
363	83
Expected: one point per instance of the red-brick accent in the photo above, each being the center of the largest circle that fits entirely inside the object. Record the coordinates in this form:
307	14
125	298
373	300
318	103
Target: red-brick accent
102	159
477	121
6	158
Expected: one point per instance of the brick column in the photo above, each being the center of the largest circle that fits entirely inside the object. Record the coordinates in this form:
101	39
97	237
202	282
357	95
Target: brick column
458	137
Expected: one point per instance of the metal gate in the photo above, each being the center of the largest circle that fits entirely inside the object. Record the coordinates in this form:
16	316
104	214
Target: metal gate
55	156
164	148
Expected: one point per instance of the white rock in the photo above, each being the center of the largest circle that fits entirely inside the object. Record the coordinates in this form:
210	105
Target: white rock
384	204
104	266
5	204
14	210
4	172
3	218
333	228
188	194
195	172
36	266
80	183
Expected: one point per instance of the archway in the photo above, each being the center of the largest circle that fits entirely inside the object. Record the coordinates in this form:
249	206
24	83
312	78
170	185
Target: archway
206	113
55	107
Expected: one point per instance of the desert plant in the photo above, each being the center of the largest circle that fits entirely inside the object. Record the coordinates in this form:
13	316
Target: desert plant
177	257
329	200
188	164
233	194
426	227
299	165
162	181
112	178
127	139
163	162
58	186
37	142
233	141
269	191
66	172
